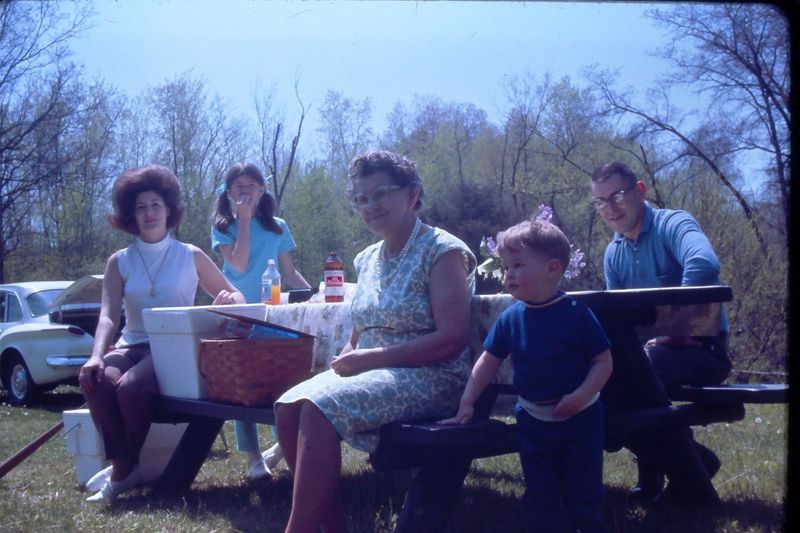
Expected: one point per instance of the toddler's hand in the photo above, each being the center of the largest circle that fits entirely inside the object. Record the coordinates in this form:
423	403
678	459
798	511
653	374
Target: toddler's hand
568	406
463	416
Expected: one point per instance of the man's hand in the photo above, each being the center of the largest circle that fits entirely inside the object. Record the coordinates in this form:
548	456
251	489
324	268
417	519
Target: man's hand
674	341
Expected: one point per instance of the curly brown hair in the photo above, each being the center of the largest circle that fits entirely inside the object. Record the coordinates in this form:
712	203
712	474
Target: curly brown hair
130	183
402	170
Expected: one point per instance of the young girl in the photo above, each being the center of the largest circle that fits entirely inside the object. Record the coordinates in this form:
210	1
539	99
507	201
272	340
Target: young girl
247	235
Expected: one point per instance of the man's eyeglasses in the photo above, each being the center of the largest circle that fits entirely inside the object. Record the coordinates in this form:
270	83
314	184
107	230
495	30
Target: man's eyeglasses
616	198
378	196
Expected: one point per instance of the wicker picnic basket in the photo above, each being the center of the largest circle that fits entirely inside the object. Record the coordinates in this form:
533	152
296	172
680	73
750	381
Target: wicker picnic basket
254	372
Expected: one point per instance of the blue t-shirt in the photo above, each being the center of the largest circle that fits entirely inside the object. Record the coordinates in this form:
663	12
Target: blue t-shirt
264	245
670	251
551	347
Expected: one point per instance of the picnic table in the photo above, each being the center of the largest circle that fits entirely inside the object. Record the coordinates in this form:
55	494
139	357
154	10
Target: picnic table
634	398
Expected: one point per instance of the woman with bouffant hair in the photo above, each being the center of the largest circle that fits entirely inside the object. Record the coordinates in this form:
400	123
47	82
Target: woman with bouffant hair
155	270
131	183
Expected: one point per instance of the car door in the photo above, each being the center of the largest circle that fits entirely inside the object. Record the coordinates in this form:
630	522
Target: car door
10	310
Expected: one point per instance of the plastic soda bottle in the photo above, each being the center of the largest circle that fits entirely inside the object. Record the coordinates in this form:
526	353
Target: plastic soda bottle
271	284
334	279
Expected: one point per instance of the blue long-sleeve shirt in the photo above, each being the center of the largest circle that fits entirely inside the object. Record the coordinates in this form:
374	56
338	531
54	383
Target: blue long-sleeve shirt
670	251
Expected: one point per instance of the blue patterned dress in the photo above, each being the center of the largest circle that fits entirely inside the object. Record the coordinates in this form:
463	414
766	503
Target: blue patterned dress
391	305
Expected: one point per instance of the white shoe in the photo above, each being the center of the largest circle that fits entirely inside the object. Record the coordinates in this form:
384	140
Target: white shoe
112	489
258	470
97	481
273	456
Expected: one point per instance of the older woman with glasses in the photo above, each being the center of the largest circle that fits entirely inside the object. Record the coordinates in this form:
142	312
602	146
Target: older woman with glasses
406	358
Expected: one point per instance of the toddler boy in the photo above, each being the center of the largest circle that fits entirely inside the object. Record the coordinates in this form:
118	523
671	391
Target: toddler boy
561	360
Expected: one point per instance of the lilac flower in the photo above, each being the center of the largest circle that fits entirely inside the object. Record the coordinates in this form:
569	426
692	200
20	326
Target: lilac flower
491	245
545	213
576	264
491	266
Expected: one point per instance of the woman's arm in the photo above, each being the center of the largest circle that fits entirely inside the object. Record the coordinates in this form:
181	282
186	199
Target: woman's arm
213	281
450	301
107	324
289	274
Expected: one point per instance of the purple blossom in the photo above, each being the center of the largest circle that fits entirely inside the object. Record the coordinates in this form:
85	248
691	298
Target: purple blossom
545	213
492	267
576	263
491	245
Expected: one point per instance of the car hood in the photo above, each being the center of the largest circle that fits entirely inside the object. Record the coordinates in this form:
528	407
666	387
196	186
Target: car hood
86	290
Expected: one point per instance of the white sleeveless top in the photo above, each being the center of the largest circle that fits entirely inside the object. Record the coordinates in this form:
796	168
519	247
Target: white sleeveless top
170	265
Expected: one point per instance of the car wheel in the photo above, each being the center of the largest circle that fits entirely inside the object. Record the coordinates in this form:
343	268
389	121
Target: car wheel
18	381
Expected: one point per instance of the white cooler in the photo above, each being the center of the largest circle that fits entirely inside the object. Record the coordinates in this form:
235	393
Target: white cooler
175	334
86	446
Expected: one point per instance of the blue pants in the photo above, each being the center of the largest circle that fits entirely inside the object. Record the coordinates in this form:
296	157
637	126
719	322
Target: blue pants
563	467
247	436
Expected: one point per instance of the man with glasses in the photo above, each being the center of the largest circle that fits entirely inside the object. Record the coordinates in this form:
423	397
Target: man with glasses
660	248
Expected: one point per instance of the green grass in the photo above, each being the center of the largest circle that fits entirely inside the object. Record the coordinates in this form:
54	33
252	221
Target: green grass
42	494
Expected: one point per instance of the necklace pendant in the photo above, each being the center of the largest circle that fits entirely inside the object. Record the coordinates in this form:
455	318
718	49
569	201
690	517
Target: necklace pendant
152	291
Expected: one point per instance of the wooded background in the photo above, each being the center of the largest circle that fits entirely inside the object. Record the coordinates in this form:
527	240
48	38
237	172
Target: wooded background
65	138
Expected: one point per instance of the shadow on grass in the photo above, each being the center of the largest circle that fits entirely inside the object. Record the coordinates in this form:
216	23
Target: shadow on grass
256	506
60	399
372	501
741	514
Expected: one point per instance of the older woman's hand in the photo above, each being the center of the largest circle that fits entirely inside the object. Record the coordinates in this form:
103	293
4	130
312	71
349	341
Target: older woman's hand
354	362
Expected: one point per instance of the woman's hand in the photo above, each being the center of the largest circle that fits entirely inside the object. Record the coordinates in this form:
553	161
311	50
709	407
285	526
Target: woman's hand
225	297
354	362
91	373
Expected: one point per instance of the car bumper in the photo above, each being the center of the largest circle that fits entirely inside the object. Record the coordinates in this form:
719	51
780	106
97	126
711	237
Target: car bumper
66	361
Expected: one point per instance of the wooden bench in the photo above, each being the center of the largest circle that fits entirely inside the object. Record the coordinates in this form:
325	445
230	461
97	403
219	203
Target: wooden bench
443	454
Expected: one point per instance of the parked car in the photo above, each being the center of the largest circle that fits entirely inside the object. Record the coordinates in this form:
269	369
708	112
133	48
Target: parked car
46	333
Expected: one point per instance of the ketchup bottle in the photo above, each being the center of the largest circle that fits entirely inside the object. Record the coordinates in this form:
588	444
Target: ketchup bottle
334	279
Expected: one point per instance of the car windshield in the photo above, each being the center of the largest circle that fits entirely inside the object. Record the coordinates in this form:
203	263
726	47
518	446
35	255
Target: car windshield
39	302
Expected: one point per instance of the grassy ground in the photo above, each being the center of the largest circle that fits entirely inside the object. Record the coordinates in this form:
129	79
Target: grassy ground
42	494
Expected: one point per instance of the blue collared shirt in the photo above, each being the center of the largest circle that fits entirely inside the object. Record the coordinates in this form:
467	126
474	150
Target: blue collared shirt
670	251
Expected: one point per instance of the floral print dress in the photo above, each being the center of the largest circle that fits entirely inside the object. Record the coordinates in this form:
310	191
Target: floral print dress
391	305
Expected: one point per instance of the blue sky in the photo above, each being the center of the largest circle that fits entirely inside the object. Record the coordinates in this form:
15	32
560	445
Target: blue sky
386	51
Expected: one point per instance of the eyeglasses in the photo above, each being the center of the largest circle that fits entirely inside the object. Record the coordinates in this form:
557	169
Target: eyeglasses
378	196
616	198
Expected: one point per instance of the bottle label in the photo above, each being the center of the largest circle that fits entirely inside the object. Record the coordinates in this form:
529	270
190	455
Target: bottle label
334	283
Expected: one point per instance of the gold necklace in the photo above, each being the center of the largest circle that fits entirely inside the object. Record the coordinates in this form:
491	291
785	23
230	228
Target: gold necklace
147	270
